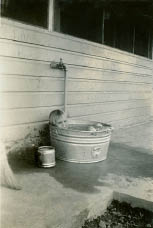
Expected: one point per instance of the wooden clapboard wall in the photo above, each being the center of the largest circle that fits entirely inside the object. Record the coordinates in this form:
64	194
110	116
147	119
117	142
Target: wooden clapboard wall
104	84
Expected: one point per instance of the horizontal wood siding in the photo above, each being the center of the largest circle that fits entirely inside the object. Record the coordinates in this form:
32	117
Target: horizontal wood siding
104	84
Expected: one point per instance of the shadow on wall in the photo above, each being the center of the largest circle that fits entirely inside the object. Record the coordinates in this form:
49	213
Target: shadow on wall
124	164
26	149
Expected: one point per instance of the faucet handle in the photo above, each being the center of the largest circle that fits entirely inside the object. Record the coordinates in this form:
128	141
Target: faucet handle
59	65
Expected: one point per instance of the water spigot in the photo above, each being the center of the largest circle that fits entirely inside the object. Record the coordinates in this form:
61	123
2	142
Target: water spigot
60	65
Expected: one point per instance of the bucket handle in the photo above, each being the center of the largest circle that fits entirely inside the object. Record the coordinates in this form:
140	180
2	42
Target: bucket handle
93	133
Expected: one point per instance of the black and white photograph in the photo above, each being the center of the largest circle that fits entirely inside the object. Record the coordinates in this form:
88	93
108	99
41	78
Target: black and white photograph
76	113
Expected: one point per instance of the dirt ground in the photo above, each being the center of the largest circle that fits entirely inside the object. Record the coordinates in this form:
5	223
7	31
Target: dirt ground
122	215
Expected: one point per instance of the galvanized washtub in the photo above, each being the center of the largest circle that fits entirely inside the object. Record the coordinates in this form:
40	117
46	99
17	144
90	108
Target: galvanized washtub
77	143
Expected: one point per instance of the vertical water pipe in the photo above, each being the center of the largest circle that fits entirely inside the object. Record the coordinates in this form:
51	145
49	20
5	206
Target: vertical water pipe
65	91
61	66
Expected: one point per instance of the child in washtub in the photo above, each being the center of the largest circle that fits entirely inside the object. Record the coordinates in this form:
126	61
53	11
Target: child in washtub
58	118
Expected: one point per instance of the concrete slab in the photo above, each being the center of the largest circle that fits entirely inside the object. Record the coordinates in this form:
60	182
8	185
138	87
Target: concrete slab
64	196
140	137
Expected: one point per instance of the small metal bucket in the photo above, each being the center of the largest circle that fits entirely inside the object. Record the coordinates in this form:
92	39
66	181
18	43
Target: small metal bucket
46	156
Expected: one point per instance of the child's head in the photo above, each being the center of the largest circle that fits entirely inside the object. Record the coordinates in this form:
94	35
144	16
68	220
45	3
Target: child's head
58	118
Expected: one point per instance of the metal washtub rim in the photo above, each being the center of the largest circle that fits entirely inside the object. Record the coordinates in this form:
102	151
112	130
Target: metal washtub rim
82	142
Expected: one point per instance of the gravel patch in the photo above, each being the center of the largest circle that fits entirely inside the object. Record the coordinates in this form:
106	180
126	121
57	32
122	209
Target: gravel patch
122	215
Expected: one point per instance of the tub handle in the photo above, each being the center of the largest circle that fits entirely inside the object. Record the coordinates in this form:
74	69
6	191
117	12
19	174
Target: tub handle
94	133
96	151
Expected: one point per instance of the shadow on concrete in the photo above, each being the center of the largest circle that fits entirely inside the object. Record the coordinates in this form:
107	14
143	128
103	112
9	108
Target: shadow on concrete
122	161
